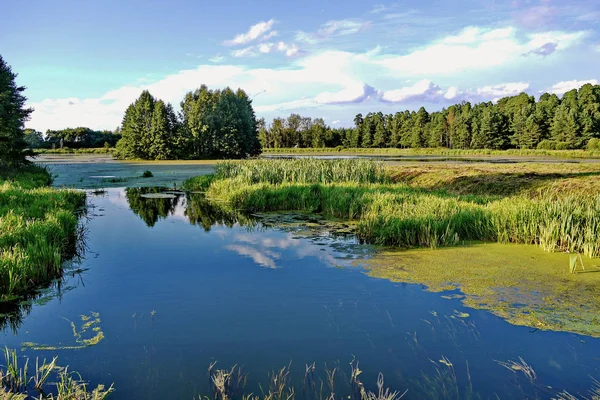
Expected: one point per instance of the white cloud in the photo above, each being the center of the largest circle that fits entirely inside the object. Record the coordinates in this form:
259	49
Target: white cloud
217	59
561	88
259	30
329	77
424	90
330	29
475	48
290	50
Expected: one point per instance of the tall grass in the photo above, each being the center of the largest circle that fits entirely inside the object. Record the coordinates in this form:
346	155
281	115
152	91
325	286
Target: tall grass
401	215
301	171
38	230
21	381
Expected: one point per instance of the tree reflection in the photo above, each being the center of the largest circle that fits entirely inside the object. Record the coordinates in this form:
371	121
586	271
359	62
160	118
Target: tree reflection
151	209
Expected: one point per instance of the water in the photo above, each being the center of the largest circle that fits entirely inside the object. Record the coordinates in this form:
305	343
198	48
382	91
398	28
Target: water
178	284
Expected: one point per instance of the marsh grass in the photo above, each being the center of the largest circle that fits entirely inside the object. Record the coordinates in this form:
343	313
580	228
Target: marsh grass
19	381
227	384
402	214
38	230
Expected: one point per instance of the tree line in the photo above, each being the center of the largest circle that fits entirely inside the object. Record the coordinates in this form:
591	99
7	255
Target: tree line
570	122
211	124
72	138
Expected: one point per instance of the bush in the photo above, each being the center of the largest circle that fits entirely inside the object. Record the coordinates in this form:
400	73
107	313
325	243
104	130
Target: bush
593	144
546	145
563	146
147	174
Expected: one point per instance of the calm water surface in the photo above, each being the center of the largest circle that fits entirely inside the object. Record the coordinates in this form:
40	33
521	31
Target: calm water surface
178	283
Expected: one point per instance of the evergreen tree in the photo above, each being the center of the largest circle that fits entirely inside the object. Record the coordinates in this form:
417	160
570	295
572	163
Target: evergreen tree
565	129
13	115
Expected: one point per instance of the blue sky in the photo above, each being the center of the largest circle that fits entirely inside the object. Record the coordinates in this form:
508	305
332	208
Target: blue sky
84	62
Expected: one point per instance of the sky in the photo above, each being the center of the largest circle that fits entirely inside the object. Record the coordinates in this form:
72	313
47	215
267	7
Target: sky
84	62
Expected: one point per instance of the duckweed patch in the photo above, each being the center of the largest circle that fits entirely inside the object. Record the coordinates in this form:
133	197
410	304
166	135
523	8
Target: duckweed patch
89	333
519	283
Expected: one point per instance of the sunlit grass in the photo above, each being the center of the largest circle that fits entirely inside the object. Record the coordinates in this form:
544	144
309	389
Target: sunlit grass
38	230
407	215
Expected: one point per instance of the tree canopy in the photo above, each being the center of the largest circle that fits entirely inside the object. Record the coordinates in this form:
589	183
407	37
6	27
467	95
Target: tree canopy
211	124
13	114
512	122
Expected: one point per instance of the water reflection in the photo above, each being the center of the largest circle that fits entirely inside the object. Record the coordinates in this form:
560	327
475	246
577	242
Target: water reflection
153	204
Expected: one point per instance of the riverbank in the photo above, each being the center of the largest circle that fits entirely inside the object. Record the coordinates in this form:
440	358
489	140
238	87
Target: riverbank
39	230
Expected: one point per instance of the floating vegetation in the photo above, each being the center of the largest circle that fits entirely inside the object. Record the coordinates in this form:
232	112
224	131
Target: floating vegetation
147	174
18	382
519	283
90	324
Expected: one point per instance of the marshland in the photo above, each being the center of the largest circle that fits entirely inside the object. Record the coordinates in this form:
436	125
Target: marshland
451	255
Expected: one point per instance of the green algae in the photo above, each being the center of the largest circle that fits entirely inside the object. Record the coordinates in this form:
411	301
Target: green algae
89	323
520	283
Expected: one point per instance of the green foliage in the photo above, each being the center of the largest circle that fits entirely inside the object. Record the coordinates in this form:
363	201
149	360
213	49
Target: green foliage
80	138
213	124
22	381
516	121
13	114
593	144
147	174
39	230
401	215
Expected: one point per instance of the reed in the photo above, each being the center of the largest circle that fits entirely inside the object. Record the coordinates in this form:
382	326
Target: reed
406	215
17	383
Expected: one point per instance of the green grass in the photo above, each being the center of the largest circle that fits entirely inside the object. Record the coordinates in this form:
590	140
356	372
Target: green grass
38	230
403	215
441	151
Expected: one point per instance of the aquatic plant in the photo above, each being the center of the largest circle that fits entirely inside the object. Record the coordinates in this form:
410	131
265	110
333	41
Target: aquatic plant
230	383
17	383
404	215
147	174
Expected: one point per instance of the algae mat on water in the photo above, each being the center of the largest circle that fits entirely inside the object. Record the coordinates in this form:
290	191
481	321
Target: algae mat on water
519	283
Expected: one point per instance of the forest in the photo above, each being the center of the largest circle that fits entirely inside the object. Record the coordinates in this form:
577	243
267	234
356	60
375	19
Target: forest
72	138
551	123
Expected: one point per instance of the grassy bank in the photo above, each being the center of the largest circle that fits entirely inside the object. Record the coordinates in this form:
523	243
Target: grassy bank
436	151
38	230
404	214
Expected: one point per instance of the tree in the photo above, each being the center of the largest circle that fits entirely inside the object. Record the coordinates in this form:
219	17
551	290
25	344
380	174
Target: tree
565	128
13	115
136	128
489	134
33	138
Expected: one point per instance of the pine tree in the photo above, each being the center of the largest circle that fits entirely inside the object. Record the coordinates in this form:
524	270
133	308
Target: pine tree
13	115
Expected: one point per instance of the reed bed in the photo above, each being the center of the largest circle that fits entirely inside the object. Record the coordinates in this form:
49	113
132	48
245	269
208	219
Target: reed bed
301	171
403	215
38	230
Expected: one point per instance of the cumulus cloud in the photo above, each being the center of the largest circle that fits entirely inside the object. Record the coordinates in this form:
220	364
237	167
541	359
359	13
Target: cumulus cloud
422	91
561	88
475	48
544	50
425	91
329	77
261	30
356	93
